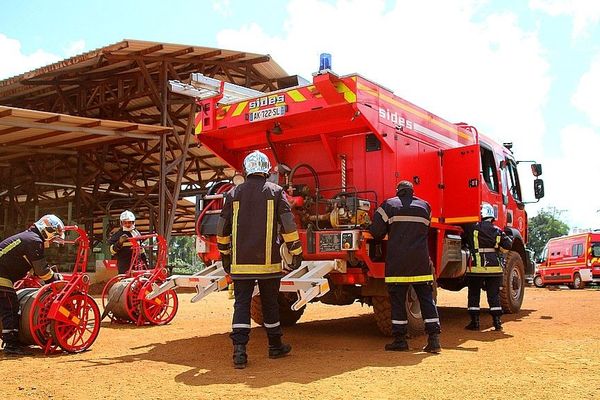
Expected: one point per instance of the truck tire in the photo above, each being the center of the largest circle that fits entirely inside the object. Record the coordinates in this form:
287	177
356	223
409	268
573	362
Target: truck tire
537	281
577	281
513	284
382	309
287	316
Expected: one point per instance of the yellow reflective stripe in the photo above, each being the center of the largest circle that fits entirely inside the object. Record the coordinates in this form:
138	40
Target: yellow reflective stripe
236	209
239	108
10	247
112	250
6	282
498	241
296	95
297	251
409	279
269	235
349	95
228	251
47	276
487	269
291	237
383	214
255	268
223	239
476	245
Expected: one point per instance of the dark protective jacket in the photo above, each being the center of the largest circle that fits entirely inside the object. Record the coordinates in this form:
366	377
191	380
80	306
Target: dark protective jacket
123	253
406	222
255	218
21	253
485	240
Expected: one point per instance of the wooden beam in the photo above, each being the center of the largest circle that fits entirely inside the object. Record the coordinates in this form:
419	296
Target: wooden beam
36	149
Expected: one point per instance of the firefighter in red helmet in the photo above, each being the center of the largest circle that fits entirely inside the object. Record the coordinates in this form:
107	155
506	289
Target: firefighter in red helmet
254	213
19	254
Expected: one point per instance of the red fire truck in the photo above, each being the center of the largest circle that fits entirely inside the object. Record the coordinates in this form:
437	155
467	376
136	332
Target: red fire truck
573	260
340	146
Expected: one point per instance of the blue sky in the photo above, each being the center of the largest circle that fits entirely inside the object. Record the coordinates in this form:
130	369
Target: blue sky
526	71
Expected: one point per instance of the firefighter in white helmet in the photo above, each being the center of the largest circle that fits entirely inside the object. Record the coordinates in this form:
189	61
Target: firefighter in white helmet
120	246
19	254
485	241
254	213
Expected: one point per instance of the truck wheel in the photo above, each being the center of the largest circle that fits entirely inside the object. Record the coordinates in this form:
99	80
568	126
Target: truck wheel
577	282
287	316
513	284
383	313
537	281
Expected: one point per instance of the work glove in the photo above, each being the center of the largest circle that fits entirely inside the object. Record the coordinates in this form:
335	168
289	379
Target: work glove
55	277
296	263
226	260
119	244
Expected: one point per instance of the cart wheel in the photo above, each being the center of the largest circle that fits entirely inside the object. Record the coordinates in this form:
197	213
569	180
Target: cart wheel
162	309
134	304
38	314
82	330
105	293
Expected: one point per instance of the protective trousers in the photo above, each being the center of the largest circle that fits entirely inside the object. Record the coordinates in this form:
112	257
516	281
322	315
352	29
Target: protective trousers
269	291
429	312
492	285
9	315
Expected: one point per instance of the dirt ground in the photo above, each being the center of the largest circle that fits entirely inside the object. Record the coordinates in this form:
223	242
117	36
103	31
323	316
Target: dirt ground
550	350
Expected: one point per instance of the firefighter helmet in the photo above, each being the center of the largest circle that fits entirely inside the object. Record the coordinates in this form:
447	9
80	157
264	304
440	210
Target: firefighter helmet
404	188
51	227
127	216
487	211
257	163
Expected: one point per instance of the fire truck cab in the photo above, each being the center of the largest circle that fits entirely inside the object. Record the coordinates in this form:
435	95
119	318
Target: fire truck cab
573	260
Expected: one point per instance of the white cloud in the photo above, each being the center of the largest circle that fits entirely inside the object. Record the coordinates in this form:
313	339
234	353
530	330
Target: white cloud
571	180
222	7
585	13
491	74
74	48
587	95
14	62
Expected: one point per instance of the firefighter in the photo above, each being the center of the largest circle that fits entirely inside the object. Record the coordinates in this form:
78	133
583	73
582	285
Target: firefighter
485	241
248	240
405	219
19	254
120	246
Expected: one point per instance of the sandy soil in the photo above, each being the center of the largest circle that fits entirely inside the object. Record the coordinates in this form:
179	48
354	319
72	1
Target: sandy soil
551	350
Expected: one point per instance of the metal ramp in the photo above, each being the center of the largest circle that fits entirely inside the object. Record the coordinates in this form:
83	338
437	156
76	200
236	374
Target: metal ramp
203	87
308	281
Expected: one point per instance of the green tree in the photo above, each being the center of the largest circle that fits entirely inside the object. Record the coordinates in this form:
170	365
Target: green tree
546	225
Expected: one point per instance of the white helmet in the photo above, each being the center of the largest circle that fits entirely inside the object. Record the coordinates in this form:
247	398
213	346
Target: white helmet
257	163
51	227
487	211
127	216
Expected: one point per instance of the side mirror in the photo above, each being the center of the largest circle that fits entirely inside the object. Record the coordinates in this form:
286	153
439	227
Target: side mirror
538	188
536	169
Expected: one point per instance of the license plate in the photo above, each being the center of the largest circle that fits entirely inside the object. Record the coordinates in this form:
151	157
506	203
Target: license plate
267	113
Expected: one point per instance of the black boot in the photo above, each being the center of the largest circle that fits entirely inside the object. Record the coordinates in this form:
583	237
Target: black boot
399	344
277	349
240	358
433	344
497	323
15	349
474	324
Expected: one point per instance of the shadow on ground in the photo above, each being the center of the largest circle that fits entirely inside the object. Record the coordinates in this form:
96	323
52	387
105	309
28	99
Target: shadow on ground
321	349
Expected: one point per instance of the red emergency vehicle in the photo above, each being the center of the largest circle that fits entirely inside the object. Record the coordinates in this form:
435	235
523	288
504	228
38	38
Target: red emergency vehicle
340	146
573	260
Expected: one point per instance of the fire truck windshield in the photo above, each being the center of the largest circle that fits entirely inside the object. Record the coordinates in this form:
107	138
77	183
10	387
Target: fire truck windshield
596	249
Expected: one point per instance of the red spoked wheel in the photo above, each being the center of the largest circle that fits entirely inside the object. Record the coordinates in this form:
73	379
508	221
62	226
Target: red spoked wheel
81	330
132	294
38	314
106	300
162	309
